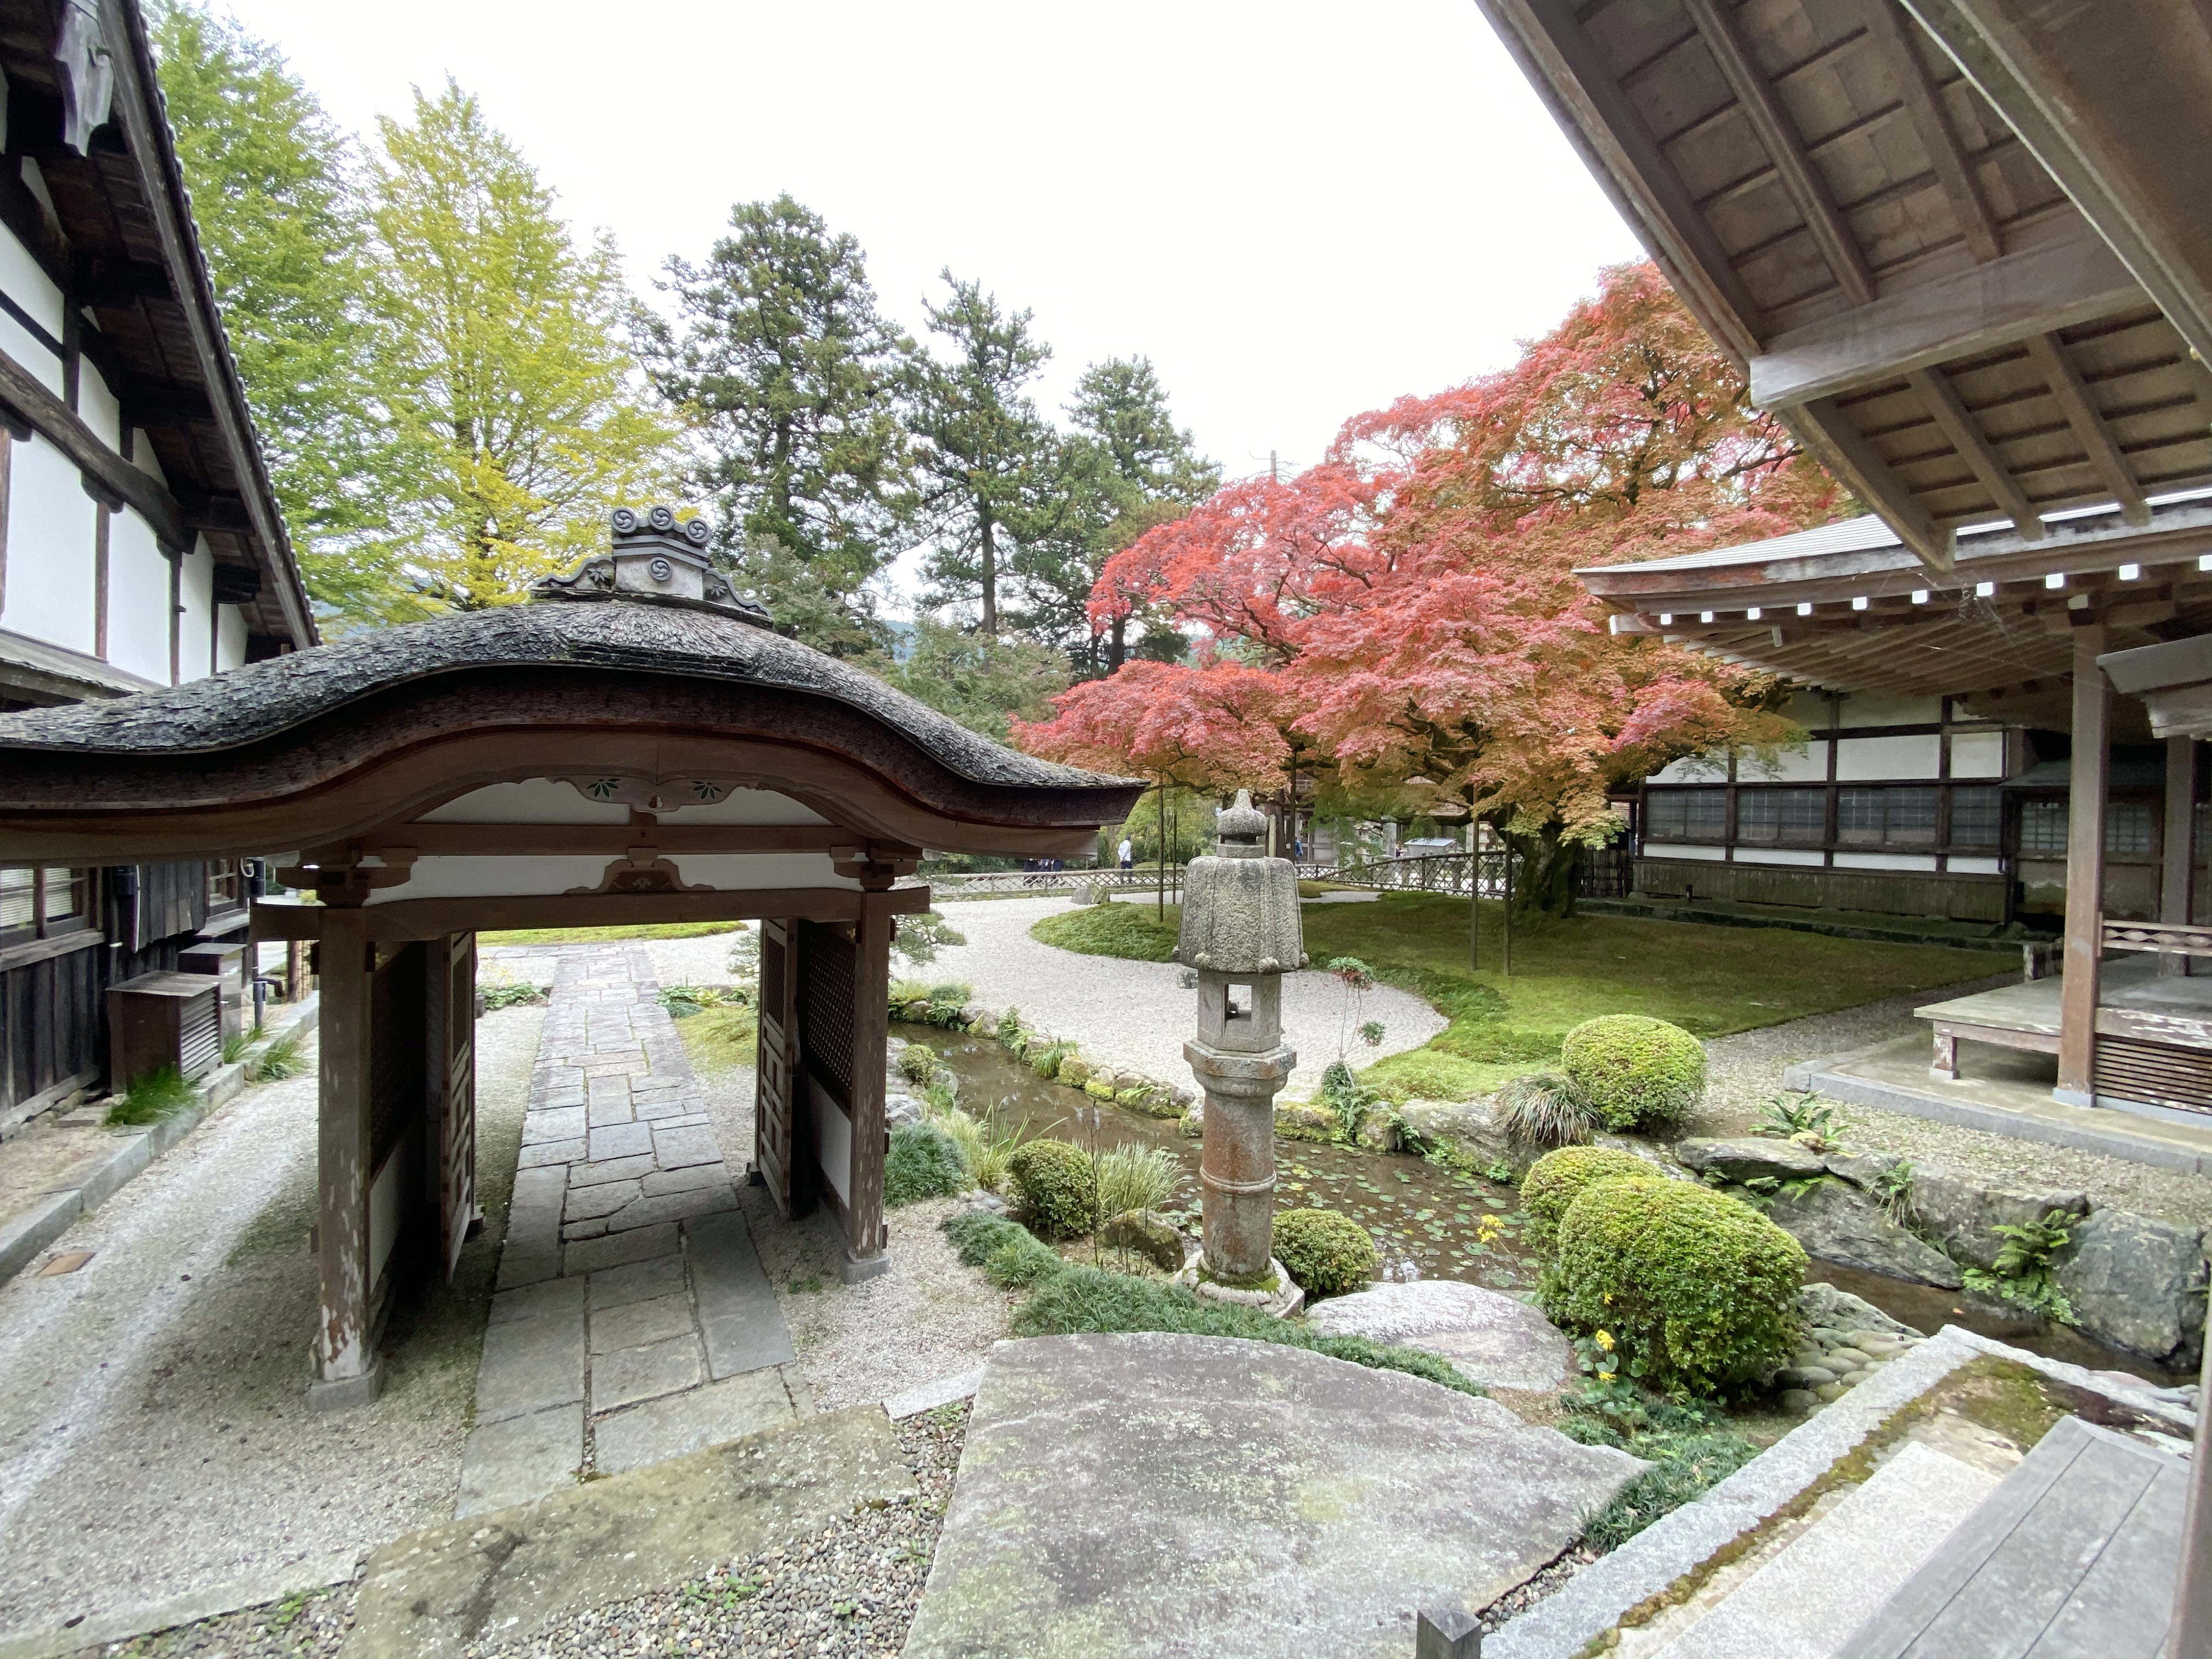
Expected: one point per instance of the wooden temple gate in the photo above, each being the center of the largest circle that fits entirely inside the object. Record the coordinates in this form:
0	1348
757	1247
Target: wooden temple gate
650	752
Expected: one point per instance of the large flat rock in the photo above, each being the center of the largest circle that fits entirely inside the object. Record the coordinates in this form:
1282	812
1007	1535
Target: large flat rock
430	1595
1498	1342
1156	1495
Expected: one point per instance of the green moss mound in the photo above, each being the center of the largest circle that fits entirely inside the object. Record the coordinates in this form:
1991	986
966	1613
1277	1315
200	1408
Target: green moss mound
1326	1251
1635	1072
1127	929
1427	1074
1556	1180
923	1163
1056	1186
1697	1291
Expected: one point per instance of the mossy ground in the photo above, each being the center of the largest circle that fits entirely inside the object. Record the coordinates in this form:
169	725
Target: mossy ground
1709	981
718	1040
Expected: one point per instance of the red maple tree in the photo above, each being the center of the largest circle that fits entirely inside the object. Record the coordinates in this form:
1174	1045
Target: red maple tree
1412	598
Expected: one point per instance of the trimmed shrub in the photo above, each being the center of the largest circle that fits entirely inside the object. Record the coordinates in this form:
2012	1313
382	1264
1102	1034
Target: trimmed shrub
917	1062
923	1162
1009	1254
1556	1180
1055	1187
1325	1250
1635	1072
1544	1109
1698	1291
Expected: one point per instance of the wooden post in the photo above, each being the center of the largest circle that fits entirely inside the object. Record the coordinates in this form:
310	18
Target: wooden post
1505	950
2190	1631
871	984
2085	873
2179	873
347	1371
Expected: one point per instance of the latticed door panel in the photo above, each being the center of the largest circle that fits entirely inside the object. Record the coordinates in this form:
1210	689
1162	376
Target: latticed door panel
454	1131
776	1113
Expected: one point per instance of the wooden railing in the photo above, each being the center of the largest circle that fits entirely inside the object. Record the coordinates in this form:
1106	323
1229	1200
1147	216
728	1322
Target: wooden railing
2171	938
1606	872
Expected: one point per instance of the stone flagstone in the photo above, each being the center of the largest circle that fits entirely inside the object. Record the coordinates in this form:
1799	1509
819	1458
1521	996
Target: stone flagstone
1494	1339
679	1344
1155	1494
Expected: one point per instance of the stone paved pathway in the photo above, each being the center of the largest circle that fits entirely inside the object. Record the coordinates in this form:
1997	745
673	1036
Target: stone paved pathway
633	1321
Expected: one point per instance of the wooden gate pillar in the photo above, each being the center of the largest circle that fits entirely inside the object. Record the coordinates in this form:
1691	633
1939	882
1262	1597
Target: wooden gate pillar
450	1100
2085	873
2177	874
867	1238
347	1369
783	1137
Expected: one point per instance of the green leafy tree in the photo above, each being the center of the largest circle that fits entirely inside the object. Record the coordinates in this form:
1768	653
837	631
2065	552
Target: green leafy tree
981	681
1126	468
781	358
273	197
503	357
986	459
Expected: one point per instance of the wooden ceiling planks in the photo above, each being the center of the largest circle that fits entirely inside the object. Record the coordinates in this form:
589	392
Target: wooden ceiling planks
1800	165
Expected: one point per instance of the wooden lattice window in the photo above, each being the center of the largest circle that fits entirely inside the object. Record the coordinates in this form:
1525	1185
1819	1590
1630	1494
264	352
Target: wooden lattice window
226	884
827	1017
42	903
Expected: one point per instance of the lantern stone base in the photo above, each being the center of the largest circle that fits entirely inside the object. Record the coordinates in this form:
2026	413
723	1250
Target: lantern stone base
1286	1299
1236	1160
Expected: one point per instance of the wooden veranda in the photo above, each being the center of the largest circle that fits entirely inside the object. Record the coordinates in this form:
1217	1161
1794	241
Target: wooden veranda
638	746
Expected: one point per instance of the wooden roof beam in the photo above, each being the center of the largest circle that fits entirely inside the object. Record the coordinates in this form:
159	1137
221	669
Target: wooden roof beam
1973	448
1778	135
2070	278
1827	432
1898	40
1604	126
2072	397
2115	102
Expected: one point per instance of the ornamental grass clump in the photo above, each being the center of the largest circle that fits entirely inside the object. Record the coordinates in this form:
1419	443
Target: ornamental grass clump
1544	1109
160	1093
1636	1073
1325	1251
1056	1189
1140	1178
922	1162
1556	1180
1697	1292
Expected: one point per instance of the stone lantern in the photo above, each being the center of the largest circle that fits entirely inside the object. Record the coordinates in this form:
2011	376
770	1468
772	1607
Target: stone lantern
1241	933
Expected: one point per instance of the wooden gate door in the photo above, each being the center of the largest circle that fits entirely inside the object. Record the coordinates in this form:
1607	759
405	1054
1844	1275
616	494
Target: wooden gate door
453	1080
779	1110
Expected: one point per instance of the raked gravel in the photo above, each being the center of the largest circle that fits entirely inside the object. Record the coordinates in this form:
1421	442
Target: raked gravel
1131	1015
1744	1072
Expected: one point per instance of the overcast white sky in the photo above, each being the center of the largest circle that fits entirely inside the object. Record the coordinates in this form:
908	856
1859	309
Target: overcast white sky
1297	210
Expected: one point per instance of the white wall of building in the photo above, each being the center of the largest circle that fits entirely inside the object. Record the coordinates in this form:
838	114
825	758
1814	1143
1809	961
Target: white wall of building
137	599
51	593
1874	760
230	638
23	282
197	607
96	406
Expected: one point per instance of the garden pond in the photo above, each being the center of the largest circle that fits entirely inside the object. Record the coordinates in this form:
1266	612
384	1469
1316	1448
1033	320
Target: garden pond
1444	1223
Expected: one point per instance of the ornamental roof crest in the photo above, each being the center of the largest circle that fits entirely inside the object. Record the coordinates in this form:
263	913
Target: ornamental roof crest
659	559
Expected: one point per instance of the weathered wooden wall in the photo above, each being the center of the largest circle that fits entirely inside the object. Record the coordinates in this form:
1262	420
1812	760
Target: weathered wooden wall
1885	893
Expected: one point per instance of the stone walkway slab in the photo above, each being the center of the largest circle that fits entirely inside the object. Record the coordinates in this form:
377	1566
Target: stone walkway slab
510	1571
1496	1339
630	1288
1156	1495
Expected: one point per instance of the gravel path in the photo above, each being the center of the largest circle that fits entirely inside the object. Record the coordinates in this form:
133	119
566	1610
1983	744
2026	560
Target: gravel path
1129	1014
154	1434
1744	1073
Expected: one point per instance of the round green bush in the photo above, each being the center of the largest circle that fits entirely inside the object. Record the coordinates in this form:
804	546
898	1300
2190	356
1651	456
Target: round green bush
1556	1180
917	1062
1326	1251
1056	1189
923	1163
1635	1072
1696	1290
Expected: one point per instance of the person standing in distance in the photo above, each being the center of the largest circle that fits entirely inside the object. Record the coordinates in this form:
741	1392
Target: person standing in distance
1128	861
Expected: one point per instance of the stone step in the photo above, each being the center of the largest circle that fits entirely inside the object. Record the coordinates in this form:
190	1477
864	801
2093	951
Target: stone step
1806	1602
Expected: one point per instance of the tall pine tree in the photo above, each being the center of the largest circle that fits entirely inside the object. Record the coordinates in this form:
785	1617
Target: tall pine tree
987	461
792	375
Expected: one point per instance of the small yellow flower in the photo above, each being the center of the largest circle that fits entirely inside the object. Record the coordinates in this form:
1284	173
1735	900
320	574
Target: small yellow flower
1604	1341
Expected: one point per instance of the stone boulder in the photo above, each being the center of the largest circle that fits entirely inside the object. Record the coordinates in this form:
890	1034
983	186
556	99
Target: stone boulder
1194	1121
1305	1120
1824	1306
1148	1235
2138	1284
1961	1215
1837	1222
1378	1130
1750	1159
1491	1338
1074	1071
1150	1098
1469	1130
900	1109
1865	1169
